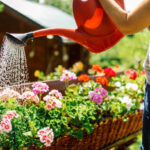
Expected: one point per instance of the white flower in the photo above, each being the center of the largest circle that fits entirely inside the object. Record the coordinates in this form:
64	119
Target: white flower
30	96
55	93
9	93
121	88
127	101
118	84
132	86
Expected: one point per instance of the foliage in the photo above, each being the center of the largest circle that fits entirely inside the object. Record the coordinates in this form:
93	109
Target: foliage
1	7
84	105
137	144
130	52
65	5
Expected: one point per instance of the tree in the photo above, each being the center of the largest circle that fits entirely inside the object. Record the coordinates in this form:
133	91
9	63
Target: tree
1	7
65	5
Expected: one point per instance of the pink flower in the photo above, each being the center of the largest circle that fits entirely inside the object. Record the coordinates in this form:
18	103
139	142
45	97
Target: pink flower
9	93
6	121
12	114
43	138
48	106
7	127
58	103
48	98
48	143
53	102
142	72
46	136
132	74
56	94
40	87
41	132
67	75
6	117
30	96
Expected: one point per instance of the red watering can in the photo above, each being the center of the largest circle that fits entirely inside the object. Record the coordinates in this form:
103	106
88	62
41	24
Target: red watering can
95	31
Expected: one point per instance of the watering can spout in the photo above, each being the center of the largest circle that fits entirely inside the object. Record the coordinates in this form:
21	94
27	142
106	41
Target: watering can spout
19	38
72	34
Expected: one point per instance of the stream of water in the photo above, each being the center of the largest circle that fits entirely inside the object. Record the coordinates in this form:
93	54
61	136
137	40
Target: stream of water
13	64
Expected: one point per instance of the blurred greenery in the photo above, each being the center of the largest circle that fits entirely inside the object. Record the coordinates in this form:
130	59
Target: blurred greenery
127	53
136	145
65	5
1	7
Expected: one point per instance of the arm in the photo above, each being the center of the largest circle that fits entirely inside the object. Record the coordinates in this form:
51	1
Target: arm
128	23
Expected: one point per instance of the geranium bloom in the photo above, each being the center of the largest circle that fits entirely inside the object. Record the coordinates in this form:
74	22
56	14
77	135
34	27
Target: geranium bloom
97	68
95	97
101	91
9	93
118	84
127	101
98	94
83	78
102	80
48	97
109	72
53	102
142	72
116	66
6	125
67	75
132	74
12	114
56	94
40	87
46	136
30	96
132	86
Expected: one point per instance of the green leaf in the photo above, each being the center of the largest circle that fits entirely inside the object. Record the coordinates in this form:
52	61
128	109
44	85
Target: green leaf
125	118
64	120
72	115
77	133
88	127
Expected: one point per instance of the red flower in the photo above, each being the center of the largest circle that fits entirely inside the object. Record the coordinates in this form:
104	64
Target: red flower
109	72
142	72
116	66
132	74
83	78
102	80
97	68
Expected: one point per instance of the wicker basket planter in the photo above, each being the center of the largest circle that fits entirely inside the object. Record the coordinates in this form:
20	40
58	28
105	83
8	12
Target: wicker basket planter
104	133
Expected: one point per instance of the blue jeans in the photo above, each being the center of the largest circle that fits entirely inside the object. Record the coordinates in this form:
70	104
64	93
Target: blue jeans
146	120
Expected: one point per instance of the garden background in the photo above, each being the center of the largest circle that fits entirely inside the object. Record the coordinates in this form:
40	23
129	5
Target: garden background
128	53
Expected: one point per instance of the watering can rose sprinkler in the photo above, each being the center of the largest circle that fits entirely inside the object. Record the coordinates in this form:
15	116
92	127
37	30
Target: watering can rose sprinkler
95	31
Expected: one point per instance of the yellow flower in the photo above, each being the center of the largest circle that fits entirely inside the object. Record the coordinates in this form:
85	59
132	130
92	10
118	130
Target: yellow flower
60	68
78	66
37	73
